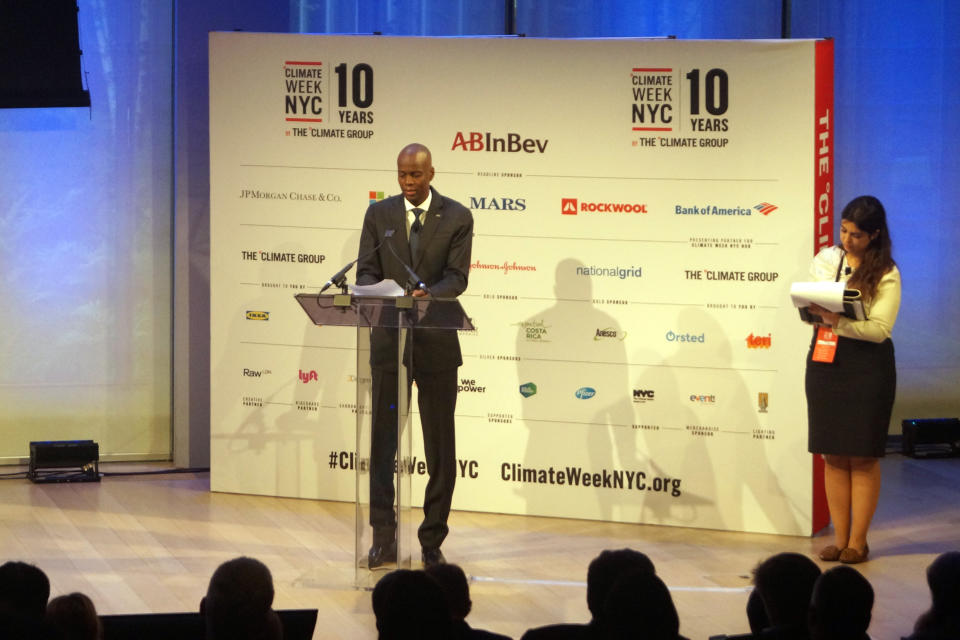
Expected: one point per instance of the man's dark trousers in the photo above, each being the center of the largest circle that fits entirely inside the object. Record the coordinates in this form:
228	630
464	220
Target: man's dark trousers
437	399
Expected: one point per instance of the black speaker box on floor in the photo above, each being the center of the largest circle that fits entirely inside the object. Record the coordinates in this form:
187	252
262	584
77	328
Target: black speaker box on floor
931	437
64	461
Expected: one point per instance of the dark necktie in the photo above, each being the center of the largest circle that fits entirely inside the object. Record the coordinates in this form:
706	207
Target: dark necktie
415	233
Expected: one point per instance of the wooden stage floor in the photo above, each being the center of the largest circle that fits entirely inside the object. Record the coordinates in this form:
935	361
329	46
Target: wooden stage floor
148	543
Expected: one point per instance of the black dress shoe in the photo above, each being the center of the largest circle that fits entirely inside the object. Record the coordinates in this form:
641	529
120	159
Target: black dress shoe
381	554
432	557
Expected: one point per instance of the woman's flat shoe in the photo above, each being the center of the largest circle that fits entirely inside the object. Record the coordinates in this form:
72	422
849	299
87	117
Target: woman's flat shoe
830	553
852	556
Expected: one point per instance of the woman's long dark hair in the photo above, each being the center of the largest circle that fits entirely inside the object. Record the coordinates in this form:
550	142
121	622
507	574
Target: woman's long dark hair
868	214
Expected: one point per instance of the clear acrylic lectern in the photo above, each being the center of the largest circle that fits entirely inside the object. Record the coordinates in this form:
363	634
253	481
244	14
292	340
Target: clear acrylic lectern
399	314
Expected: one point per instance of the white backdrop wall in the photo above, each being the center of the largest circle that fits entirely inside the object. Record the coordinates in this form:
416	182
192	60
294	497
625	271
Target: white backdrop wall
641	208
85	246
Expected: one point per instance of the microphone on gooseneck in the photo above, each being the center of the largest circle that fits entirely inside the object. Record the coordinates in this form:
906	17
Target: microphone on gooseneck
414	280
340	276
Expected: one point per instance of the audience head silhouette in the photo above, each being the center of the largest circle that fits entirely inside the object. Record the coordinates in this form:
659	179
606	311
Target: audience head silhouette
639	606
238	602
24	591
75	617
410	604
604	571
942	620
453	583
784	583
840	605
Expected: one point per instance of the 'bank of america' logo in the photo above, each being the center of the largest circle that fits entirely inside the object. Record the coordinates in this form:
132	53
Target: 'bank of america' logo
765	208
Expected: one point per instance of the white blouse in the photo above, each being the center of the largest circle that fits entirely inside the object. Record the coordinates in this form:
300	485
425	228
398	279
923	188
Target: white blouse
881	310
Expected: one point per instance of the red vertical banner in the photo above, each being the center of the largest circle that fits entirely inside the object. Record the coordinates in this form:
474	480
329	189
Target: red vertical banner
823	215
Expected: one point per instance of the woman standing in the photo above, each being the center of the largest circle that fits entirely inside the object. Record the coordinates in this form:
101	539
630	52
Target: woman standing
851	376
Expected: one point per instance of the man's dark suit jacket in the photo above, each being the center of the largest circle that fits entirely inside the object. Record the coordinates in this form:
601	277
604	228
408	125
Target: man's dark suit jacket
443	264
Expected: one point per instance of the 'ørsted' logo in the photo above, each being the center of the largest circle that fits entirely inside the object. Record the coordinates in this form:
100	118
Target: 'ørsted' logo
528	389
685	337
258	315
585	393
512	143
759	342
609	333
498	204
642	396
308	376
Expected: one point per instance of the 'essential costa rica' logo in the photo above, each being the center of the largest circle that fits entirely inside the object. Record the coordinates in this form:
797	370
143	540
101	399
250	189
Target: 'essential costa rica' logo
528	389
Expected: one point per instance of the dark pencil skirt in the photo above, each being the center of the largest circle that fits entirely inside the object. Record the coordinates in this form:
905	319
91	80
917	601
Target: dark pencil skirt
849	401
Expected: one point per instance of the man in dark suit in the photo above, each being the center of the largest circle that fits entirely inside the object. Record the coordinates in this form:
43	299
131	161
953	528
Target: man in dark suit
432	234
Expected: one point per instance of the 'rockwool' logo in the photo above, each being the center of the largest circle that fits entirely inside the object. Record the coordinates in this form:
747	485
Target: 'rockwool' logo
572	206
765	208
308	376
512	143
759	342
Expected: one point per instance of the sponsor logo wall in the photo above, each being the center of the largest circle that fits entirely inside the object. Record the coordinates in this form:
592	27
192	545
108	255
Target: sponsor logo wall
640	211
